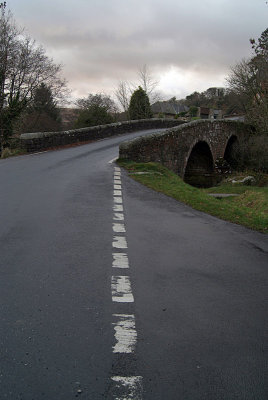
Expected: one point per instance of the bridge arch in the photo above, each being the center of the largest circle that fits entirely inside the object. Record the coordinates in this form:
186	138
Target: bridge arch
229	150
199	170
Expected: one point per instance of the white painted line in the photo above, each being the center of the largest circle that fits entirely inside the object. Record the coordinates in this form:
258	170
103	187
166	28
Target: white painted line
117	168
127	387
118	207
118	187
39	152
120	260
118	200
113	160
117	173
119	228
125	333
118	216
117	182
120	242
117	192
121	289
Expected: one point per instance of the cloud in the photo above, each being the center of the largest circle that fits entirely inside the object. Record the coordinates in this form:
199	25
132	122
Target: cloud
102	41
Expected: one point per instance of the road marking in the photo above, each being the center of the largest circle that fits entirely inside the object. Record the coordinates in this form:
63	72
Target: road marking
125	333
120	260
118	216
127	387
117	207
120	242
112	161
118	200
118	187
123	387
117	192
121	289
119	228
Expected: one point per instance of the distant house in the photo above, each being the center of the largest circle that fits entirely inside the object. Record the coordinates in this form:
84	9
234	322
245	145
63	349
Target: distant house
209	113
172	107
217	114
169	108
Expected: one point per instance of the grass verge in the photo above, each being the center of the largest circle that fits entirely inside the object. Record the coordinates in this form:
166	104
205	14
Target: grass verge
250	208
12	152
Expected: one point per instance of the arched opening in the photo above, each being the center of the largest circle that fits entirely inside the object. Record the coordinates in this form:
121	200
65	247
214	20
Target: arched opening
229	154
199	170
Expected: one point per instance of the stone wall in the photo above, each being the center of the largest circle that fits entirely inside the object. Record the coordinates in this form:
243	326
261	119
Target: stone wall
43	140
173	147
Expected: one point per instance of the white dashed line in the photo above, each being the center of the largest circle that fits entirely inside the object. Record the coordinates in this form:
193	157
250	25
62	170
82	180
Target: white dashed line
121	289
118	216
125	333
123	387
120	260
119	228
120	242
127	387
118	200
117	207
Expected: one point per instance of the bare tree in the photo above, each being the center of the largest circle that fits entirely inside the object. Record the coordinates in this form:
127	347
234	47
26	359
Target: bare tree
125	89
24	66
149	84
249	80
123	94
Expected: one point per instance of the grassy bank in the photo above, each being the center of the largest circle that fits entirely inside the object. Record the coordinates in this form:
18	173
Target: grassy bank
250	208
12	152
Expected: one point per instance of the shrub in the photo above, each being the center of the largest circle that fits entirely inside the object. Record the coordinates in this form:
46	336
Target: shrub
93	116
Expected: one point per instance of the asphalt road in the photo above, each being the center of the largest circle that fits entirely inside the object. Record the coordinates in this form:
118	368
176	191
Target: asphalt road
199	286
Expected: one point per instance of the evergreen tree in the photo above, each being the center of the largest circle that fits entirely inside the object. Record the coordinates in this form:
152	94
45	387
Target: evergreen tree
139	107
42	115
43	101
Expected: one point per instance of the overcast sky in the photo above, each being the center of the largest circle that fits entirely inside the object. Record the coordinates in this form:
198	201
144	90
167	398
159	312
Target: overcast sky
188	45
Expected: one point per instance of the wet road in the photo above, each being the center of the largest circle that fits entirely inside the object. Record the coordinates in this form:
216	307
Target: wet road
181	315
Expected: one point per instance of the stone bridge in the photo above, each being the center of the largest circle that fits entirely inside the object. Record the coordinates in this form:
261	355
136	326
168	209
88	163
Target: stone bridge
196	150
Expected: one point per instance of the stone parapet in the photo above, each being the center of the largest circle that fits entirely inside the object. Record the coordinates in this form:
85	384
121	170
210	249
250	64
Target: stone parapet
33	142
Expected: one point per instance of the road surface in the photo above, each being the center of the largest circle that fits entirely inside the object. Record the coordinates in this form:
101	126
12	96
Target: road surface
112	291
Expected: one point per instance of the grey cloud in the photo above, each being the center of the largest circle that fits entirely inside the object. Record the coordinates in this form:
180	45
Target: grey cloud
102	41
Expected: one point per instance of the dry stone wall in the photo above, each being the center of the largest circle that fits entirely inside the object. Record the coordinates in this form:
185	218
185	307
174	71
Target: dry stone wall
39	141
